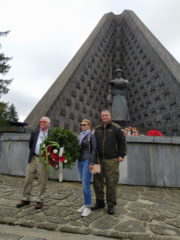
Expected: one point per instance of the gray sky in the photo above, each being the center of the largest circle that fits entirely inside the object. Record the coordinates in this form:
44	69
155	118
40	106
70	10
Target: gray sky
46	34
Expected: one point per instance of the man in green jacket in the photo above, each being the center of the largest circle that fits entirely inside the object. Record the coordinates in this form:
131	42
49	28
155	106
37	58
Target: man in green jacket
111	150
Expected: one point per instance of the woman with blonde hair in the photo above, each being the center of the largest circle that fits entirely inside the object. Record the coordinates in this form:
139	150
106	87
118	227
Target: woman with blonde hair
86	160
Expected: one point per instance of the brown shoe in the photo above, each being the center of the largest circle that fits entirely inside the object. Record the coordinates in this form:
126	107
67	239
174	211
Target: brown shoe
38	205
22	203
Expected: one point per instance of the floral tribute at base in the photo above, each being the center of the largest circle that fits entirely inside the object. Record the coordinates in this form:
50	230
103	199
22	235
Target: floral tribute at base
131	131
61	145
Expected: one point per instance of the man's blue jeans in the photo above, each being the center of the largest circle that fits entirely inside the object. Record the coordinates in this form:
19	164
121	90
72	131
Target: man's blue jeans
85	175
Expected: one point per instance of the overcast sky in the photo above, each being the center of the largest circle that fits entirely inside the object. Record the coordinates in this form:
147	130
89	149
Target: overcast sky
46	34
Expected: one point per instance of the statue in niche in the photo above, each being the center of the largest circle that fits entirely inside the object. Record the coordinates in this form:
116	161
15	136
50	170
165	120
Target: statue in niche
117	101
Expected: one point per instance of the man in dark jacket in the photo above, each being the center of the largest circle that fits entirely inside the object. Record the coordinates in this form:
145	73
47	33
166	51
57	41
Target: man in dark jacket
111	150
35	167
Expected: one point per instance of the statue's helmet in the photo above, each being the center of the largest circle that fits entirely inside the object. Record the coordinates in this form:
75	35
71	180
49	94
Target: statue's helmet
118	73
118	70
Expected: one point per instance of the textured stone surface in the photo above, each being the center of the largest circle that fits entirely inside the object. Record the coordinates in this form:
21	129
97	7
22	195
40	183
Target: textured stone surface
105	222
139	217
164	229
141	214
9	236
118	41
12	232
175	222
131	226
149	162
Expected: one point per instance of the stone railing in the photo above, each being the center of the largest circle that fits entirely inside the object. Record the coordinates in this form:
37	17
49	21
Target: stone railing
151	161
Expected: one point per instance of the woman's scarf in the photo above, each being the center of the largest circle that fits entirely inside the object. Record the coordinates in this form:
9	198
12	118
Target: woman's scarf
83	134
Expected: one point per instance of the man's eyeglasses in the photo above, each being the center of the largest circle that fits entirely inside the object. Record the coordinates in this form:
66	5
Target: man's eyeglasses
43	121
83	125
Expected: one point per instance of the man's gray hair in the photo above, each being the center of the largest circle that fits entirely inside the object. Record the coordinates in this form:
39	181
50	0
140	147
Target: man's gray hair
106	110
46	118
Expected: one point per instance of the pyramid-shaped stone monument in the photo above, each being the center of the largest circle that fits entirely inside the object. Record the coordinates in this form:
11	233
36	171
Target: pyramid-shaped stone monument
82	89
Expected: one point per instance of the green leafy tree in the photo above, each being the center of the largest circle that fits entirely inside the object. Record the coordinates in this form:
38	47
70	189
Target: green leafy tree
7	113
3	107
11	115
4	68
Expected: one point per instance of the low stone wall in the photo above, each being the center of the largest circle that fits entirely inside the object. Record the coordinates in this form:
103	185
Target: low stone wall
14	153
151	161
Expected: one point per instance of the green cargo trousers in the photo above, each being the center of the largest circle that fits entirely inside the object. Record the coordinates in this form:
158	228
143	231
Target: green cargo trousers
110	176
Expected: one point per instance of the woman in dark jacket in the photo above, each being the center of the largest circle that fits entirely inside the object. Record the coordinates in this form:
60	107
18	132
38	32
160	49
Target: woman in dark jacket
87	158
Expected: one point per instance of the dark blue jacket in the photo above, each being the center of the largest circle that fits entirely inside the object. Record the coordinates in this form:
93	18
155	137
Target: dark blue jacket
32	143
88	149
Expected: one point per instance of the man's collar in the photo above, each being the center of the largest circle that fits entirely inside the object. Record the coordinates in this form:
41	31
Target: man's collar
43	130
105	126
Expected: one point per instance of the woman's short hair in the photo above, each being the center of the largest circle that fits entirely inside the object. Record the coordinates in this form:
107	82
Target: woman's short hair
87	121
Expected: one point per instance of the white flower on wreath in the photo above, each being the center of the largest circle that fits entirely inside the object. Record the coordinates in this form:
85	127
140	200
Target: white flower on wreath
65	161
55	151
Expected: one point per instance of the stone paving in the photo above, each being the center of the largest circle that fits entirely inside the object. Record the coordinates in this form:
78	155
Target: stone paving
9	232
142	213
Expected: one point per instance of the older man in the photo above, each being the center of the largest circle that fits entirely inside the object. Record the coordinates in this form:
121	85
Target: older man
35	167
111	149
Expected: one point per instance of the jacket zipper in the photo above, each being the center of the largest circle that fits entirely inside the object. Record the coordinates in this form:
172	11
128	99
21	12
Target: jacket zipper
103	141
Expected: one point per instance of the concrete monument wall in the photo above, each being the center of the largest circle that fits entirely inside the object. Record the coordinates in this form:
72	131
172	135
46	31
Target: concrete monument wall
151	161
80	91
118	41
153	74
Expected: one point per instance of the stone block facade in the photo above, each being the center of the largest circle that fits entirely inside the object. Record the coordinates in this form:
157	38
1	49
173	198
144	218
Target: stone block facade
154	88
118	41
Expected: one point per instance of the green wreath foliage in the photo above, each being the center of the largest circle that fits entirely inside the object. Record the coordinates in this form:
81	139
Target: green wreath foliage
61	138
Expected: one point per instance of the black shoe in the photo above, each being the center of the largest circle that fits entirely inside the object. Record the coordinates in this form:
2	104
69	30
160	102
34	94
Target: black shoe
22	203
110	210
38	205
99	204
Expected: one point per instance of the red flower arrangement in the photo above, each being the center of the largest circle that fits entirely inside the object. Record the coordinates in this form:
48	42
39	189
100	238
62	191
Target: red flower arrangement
51	154
131	131
61	146
154	133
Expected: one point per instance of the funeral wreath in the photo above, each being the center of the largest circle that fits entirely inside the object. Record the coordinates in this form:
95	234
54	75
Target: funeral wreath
61	145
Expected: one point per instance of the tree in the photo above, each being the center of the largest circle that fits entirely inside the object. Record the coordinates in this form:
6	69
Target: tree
10	114
7	113
3	107
4	68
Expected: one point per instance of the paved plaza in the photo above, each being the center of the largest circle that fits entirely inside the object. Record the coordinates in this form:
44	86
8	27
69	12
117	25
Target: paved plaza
141	213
